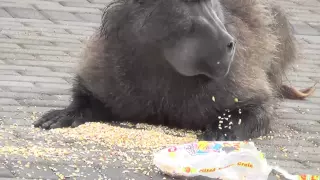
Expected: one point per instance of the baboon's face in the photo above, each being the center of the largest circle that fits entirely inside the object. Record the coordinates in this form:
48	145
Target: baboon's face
190	33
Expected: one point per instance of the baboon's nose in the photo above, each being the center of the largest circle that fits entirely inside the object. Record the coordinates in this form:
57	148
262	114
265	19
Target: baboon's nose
231	46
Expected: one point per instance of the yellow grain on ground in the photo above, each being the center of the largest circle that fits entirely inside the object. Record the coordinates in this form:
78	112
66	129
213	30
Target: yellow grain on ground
147	138
92	143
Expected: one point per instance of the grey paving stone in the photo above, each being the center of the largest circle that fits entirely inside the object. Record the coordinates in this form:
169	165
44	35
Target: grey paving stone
315	100
303	171
300	157
53	85
311	58
309	111
43	103
298	122
47	74
9	72
307	128
10	4
3	36
307	74
8	101
59	26
75	54
63	97
68	36
25	108
24	41
25	13
23	68
51	48
310	39
26	95
14	115
5	23
31	170
311	164
8	45
90	17
4	172
20	33
82	4
77	1
305	29
16	83
61	8
32	51
290	149
70	45
44	38
22	21
41	63
63	69
93	25
33	29
300	104
285	164
283	141
4	13
45	90
32	79
78	172
18	122
58	15
300	116
100	1
58	58
16	56
311	52
83	32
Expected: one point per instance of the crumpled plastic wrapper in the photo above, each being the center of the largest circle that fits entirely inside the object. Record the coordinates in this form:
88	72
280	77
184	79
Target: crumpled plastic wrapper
226	160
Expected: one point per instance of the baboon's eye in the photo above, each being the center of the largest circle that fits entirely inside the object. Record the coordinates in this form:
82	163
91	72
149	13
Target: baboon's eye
139	1
191	1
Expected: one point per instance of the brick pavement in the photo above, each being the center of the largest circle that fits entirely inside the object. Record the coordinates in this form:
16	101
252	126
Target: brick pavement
40	43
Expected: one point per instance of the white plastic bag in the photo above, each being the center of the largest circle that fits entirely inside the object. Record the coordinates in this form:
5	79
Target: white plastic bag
227	160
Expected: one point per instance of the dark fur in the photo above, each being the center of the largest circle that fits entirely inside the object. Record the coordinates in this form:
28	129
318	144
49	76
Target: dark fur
122	80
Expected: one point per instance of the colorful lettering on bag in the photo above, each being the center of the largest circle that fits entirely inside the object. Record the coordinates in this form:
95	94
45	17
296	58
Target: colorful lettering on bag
189	170
314	177
303	177
190	149
261	155
207	170
309	177
172	154
245	164
217	147
235	145
203	145
226	167
226	144
172	149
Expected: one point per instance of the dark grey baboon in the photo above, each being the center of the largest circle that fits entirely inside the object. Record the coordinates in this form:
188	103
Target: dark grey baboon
185	64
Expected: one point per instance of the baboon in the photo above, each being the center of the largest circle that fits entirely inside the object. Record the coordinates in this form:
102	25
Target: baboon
188	64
